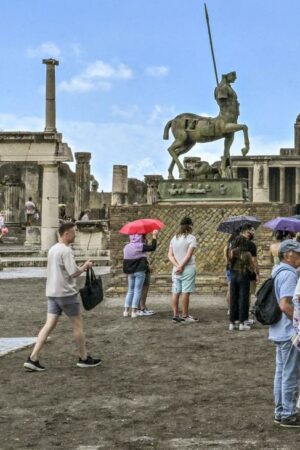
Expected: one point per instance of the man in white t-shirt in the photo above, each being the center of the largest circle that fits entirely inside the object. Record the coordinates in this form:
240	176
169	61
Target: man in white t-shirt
181	255
30	209
62	297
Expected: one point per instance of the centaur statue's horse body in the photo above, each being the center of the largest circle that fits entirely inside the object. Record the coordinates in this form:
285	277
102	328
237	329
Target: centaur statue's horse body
188	129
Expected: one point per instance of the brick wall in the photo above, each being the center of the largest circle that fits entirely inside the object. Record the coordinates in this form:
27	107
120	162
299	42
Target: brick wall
209	256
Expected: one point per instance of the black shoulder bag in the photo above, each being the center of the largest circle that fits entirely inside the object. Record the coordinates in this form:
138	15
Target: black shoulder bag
92	292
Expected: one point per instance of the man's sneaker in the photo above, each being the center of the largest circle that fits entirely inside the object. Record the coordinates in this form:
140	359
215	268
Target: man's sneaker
233	326
34	366
277	420
191	319
125	313
291	422
249	322
243	327
146	312
88	362
177	319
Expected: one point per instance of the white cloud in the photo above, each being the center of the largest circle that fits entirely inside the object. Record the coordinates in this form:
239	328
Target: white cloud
161	113
97	76
45	50
125	113
76	49
140	146
157	71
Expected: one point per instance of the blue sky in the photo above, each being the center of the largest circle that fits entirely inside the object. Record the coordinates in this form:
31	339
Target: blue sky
128	66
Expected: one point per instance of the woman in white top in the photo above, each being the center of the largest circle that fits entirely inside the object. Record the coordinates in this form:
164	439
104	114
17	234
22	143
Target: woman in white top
181	255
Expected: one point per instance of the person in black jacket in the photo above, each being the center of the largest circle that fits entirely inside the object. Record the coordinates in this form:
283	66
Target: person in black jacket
135	265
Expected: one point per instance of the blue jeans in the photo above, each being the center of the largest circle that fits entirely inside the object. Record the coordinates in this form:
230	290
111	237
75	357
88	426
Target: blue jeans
286	382
135	287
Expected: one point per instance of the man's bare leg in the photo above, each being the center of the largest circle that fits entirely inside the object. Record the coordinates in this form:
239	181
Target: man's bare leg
144	296
175	303
50	324
185	300
79	335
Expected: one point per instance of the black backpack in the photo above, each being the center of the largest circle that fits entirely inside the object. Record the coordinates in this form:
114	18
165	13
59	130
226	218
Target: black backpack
266	308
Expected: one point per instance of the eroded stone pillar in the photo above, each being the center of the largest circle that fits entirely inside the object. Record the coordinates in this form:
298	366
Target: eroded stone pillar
282	185
50	94
250	183
82	182
12	196
49	223
152	182
297	187
120	185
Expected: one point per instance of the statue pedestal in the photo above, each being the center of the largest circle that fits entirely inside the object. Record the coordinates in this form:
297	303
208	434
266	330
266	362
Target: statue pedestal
205	190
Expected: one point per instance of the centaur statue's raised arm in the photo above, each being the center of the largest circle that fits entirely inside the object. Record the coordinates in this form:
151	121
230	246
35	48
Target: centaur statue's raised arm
188	128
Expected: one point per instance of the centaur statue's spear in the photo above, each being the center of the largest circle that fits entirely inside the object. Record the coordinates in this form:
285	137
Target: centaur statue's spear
211	44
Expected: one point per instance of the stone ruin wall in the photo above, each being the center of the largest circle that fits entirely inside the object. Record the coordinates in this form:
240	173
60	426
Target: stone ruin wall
209	256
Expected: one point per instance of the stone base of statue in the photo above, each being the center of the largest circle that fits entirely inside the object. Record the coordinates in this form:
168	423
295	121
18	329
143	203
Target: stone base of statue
205	190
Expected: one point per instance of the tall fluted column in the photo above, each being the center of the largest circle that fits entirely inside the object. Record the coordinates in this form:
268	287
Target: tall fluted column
297	187
12	203
49	206
282	185
120	185
82	182
50	94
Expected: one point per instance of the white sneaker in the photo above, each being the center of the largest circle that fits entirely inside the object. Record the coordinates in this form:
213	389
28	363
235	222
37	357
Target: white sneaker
233	326
134	315
125	313
243	327
190	319
147	312
249	322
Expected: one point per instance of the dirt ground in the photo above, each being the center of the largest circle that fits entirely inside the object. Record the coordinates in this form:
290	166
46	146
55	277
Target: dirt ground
161	386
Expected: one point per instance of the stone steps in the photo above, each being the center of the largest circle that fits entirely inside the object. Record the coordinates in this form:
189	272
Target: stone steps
41	261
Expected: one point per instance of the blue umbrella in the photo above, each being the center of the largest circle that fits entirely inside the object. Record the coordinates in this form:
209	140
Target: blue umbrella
284	224
234	223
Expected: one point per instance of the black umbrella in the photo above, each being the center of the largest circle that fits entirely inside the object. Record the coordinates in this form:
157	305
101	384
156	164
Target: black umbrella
234	223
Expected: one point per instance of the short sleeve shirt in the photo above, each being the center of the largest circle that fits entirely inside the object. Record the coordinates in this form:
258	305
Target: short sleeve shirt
285	285
180	246
252	248
61	266
29	207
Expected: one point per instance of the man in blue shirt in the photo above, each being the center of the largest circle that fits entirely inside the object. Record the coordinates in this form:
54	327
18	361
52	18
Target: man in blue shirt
286	382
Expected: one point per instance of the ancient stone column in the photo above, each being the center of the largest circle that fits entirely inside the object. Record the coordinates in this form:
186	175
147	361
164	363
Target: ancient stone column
297	135
297	186
12	196
120	185
50	95
49	223
282	184
82	182
234	172
152	182
250	183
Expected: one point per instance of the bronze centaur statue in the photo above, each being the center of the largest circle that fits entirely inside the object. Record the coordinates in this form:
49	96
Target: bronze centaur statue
188	129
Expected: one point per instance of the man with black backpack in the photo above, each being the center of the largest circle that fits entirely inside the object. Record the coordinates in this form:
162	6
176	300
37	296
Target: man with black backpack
287	373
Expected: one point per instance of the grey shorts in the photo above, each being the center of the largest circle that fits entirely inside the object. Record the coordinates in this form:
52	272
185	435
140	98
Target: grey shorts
69	305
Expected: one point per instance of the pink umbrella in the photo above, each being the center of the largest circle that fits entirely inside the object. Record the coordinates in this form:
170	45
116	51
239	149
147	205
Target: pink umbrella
142	226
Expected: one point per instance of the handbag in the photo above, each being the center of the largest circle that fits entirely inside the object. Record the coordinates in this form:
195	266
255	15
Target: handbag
92	292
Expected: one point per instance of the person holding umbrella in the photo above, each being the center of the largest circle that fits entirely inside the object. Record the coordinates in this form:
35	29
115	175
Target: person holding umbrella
242	267
135	263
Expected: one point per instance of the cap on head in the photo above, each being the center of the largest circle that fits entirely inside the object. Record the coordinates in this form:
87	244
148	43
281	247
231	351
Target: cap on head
186	221
289	246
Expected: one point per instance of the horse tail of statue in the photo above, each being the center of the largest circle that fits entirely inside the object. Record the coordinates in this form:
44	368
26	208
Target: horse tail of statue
166	130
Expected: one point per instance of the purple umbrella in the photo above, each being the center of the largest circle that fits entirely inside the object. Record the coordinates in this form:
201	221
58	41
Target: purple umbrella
283	224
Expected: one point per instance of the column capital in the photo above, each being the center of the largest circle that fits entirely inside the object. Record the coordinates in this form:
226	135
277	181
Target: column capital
153	179
51	62
82	157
